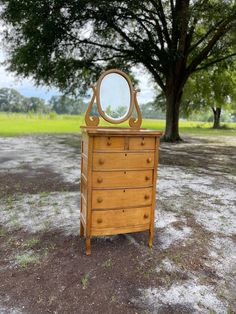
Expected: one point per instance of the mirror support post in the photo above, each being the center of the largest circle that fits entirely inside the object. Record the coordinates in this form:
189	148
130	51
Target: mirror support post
91	121
136	122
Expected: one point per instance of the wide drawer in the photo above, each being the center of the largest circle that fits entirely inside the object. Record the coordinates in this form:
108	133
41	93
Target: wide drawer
121	218
121	198
129	178
106	161
111	143
142	143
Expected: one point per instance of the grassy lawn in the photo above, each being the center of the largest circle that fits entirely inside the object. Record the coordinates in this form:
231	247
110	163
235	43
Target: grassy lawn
19	124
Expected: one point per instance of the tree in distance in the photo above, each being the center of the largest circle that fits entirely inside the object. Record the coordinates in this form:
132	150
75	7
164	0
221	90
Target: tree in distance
214	88
12	101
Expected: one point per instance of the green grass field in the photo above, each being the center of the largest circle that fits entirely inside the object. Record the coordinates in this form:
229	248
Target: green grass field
20	124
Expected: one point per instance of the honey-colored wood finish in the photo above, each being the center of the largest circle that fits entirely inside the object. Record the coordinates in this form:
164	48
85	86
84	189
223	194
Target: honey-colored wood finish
116	161
118	181
118	198
109	143
142	143
120	218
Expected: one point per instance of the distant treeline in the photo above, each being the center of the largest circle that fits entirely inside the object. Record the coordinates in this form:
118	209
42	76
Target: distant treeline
12	101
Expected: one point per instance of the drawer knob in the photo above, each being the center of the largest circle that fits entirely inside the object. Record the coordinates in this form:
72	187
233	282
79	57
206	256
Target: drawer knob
146	196
99	199
146	216
147	178
149	159
108	143
142	143
99	180
99	220
101	161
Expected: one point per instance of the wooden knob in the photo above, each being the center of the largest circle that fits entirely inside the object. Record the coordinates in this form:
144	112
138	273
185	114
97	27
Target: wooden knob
101	161
142	143
146	196
149	159
147	178
146	216
108	143
99	220
99	199
99	180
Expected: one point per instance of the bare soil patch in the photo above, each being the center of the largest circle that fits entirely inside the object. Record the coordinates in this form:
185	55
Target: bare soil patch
43	267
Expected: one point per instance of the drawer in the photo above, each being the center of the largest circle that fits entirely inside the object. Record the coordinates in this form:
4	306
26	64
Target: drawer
121	198
142	143
106	161
111	143
130	178
121	218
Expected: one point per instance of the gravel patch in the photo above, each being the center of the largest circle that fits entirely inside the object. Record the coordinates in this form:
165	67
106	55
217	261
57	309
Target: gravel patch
192	297
19	153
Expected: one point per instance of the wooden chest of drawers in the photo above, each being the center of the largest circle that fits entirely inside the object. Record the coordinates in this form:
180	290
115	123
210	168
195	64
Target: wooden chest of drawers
118	181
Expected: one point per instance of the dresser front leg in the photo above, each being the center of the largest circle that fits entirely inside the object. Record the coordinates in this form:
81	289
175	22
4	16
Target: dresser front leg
88	246
151	236
81	232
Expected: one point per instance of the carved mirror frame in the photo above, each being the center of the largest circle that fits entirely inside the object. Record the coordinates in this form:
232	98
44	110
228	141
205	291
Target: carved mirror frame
94	120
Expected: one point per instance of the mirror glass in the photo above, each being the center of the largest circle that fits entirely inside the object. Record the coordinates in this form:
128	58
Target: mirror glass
115	96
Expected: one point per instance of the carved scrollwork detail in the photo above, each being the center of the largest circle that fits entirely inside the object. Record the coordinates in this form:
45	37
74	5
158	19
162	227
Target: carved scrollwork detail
136	122
94	120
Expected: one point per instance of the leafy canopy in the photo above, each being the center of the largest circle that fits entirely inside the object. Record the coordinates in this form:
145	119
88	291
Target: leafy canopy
66	43
211	88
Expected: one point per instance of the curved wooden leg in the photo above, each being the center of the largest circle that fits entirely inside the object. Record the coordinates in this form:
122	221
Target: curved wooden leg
150	239
88	246
81	230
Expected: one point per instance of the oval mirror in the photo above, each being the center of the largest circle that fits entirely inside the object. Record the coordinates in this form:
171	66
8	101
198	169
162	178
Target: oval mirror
115	100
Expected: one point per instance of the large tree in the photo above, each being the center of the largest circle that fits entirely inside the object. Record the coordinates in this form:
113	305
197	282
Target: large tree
68	42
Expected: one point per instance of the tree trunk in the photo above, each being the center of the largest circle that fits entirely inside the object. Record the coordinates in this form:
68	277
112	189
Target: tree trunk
172	116
216	113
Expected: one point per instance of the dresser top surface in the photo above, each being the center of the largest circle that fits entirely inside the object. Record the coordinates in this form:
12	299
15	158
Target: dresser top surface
119	131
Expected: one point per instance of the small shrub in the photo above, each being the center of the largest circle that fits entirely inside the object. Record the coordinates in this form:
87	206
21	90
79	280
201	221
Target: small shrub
85	281
107	263
31	243
27	258
52	115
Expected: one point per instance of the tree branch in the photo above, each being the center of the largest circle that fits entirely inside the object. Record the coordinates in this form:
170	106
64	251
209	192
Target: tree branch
161	15
156	76
225	26
205	36
89	42
215	61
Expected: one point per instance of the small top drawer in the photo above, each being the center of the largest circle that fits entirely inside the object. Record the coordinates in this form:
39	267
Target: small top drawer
111	143
141	143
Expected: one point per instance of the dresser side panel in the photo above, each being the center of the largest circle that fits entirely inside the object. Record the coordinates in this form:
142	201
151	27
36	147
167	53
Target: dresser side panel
89	186
157	143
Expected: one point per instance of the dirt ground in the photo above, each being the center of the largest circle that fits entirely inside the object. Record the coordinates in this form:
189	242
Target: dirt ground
190	269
